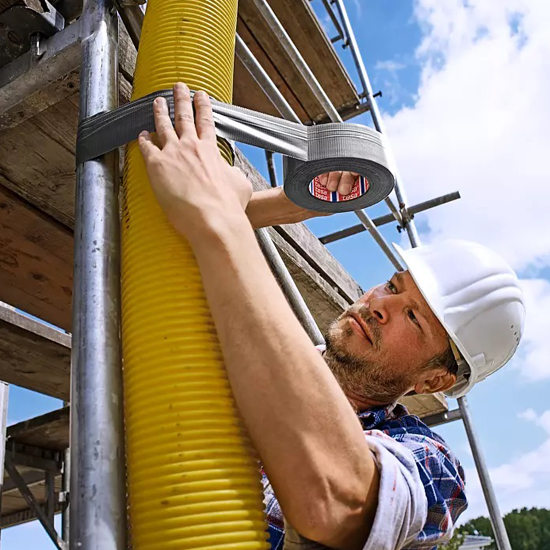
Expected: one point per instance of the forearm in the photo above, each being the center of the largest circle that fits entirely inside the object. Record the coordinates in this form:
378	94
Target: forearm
272	207
300	421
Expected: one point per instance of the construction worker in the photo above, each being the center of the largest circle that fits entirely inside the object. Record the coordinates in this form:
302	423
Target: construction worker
350	468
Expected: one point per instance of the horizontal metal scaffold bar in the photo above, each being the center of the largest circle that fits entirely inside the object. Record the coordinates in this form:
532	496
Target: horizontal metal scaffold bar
442	418
388	218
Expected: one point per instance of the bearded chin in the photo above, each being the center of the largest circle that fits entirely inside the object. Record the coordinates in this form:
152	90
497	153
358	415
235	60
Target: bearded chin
361	377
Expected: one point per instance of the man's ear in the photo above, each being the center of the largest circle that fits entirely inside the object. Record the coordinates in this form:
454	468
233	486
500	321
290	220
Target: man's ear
435	380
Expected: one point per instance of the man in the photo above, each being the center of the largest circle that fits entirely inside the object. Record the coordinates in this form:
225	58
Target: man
349	467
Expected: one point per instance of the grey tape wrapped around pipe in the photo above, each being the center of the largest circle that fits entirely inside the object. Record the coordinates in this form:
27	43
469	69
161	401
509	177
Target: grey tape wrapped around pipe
309	151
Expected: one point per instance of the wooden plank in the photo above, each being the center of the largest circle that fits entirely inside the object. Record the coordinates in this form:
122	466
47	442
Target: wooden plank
22	516
315	253
303	28
37	160
31	476
425	405
35	261
13	503
41	100
247	93
48	431
322	300
33	355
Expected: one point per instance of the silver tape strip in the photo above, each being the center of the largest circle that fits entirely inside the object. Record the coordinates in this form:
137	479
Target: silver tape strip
309	151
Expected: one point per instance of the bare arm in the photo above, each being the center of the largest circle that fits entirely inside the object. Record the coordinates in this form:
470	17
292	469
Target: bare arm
301	423
299	420
272	207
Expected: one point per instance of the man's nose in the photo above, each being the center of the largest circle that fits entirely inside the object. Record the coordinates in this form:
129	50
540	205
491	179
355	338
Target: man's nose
382	307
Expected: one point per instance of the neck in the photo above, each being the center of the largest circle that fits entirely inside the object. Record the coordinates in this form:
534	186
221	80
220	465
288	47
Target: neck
361	404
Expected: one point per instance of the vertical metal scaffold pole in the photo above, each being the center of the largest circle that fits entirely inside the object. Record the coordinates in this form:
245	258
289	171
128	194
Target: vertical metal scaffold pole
4	396
376	118
98	508
501	536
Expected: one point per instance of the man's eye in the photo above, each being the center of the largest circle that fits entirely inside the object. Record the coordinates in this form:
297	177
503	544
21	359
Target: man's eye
391	287
412	316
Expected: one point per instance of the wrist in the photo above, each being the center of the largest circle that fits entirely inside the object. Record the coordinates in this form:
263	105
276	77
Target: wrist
211	227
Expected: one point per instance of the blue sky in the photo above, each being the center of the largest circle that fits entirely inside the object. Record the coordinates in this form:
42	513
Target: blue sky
465	87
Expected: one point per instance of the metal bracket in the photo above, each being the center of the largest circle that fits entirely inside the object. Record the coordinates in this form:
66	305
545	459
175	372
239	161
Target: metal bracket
19	23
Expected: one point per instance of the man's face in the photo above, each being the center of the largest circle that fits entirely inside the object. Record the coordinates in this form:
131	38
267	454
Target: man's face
378	349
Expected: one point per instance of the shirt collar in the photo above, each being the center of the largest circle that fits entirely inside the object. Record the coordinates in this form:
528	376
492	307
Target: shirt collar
373	418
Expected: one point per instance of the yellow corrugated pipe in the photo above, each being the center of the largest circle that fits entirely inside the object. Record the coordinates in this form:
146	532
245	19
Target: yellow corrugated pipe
193	479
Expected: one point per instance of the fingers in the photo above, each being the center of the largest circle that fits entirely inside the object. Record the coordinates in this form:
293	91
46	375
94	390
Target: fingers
323	179
342	182
334	180
347	182
146	145
183	111
204	119
163	124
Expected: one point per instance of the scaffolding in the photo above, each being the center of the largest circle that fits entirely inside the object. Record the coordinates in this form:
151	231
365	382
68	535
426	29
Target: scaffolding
82	56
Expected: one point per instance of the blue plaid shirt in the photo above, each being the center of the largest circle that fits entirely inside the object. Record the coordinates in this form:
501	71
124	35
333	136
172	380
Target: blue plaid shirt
440	472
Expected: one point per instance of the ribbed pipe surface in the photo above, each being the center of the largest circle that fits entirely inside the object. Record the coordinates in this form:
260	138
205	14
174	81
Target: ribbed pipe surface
192	475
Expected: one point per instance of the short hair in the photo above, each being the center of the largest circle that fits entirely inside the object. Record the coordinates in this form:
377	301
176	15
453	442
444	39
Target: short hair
445	359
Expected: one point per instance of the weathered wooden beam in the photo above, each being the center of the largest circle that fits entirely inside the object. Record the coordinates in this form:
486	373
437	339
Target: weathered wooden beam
24	76
33	355
48	431
31	476
35	261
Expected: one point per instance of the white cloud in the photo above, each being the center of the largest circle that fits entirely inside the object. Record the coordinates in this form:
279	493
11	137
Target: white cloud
533	359
389	65
528	414
524	481
391	85
358	7
542	421
480	124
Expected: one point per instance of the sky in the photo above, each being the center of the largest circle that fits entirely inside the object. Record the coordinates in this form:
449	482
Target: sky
465	87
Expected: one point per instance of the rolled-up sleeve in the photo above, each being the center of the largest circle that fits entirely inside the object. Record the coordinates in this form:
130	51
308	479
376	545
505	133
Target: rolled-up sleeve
402	504
421	491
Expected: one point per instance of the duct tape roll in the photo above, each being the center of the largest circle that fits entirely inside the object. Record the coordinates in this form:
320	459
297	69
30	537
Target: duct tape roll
339	147
309	151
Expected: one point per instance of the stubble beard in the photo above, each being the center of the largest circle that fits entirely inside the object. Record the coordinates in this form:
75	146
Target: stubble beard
362	377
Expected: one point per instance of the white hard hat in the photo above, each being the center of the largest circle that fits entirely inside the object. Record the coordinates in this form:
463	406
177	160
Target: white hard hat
476	296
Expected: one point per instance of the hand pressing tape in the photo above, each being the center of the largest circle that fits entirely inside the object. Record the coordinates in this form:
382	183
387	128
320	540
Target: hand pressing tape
309	151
